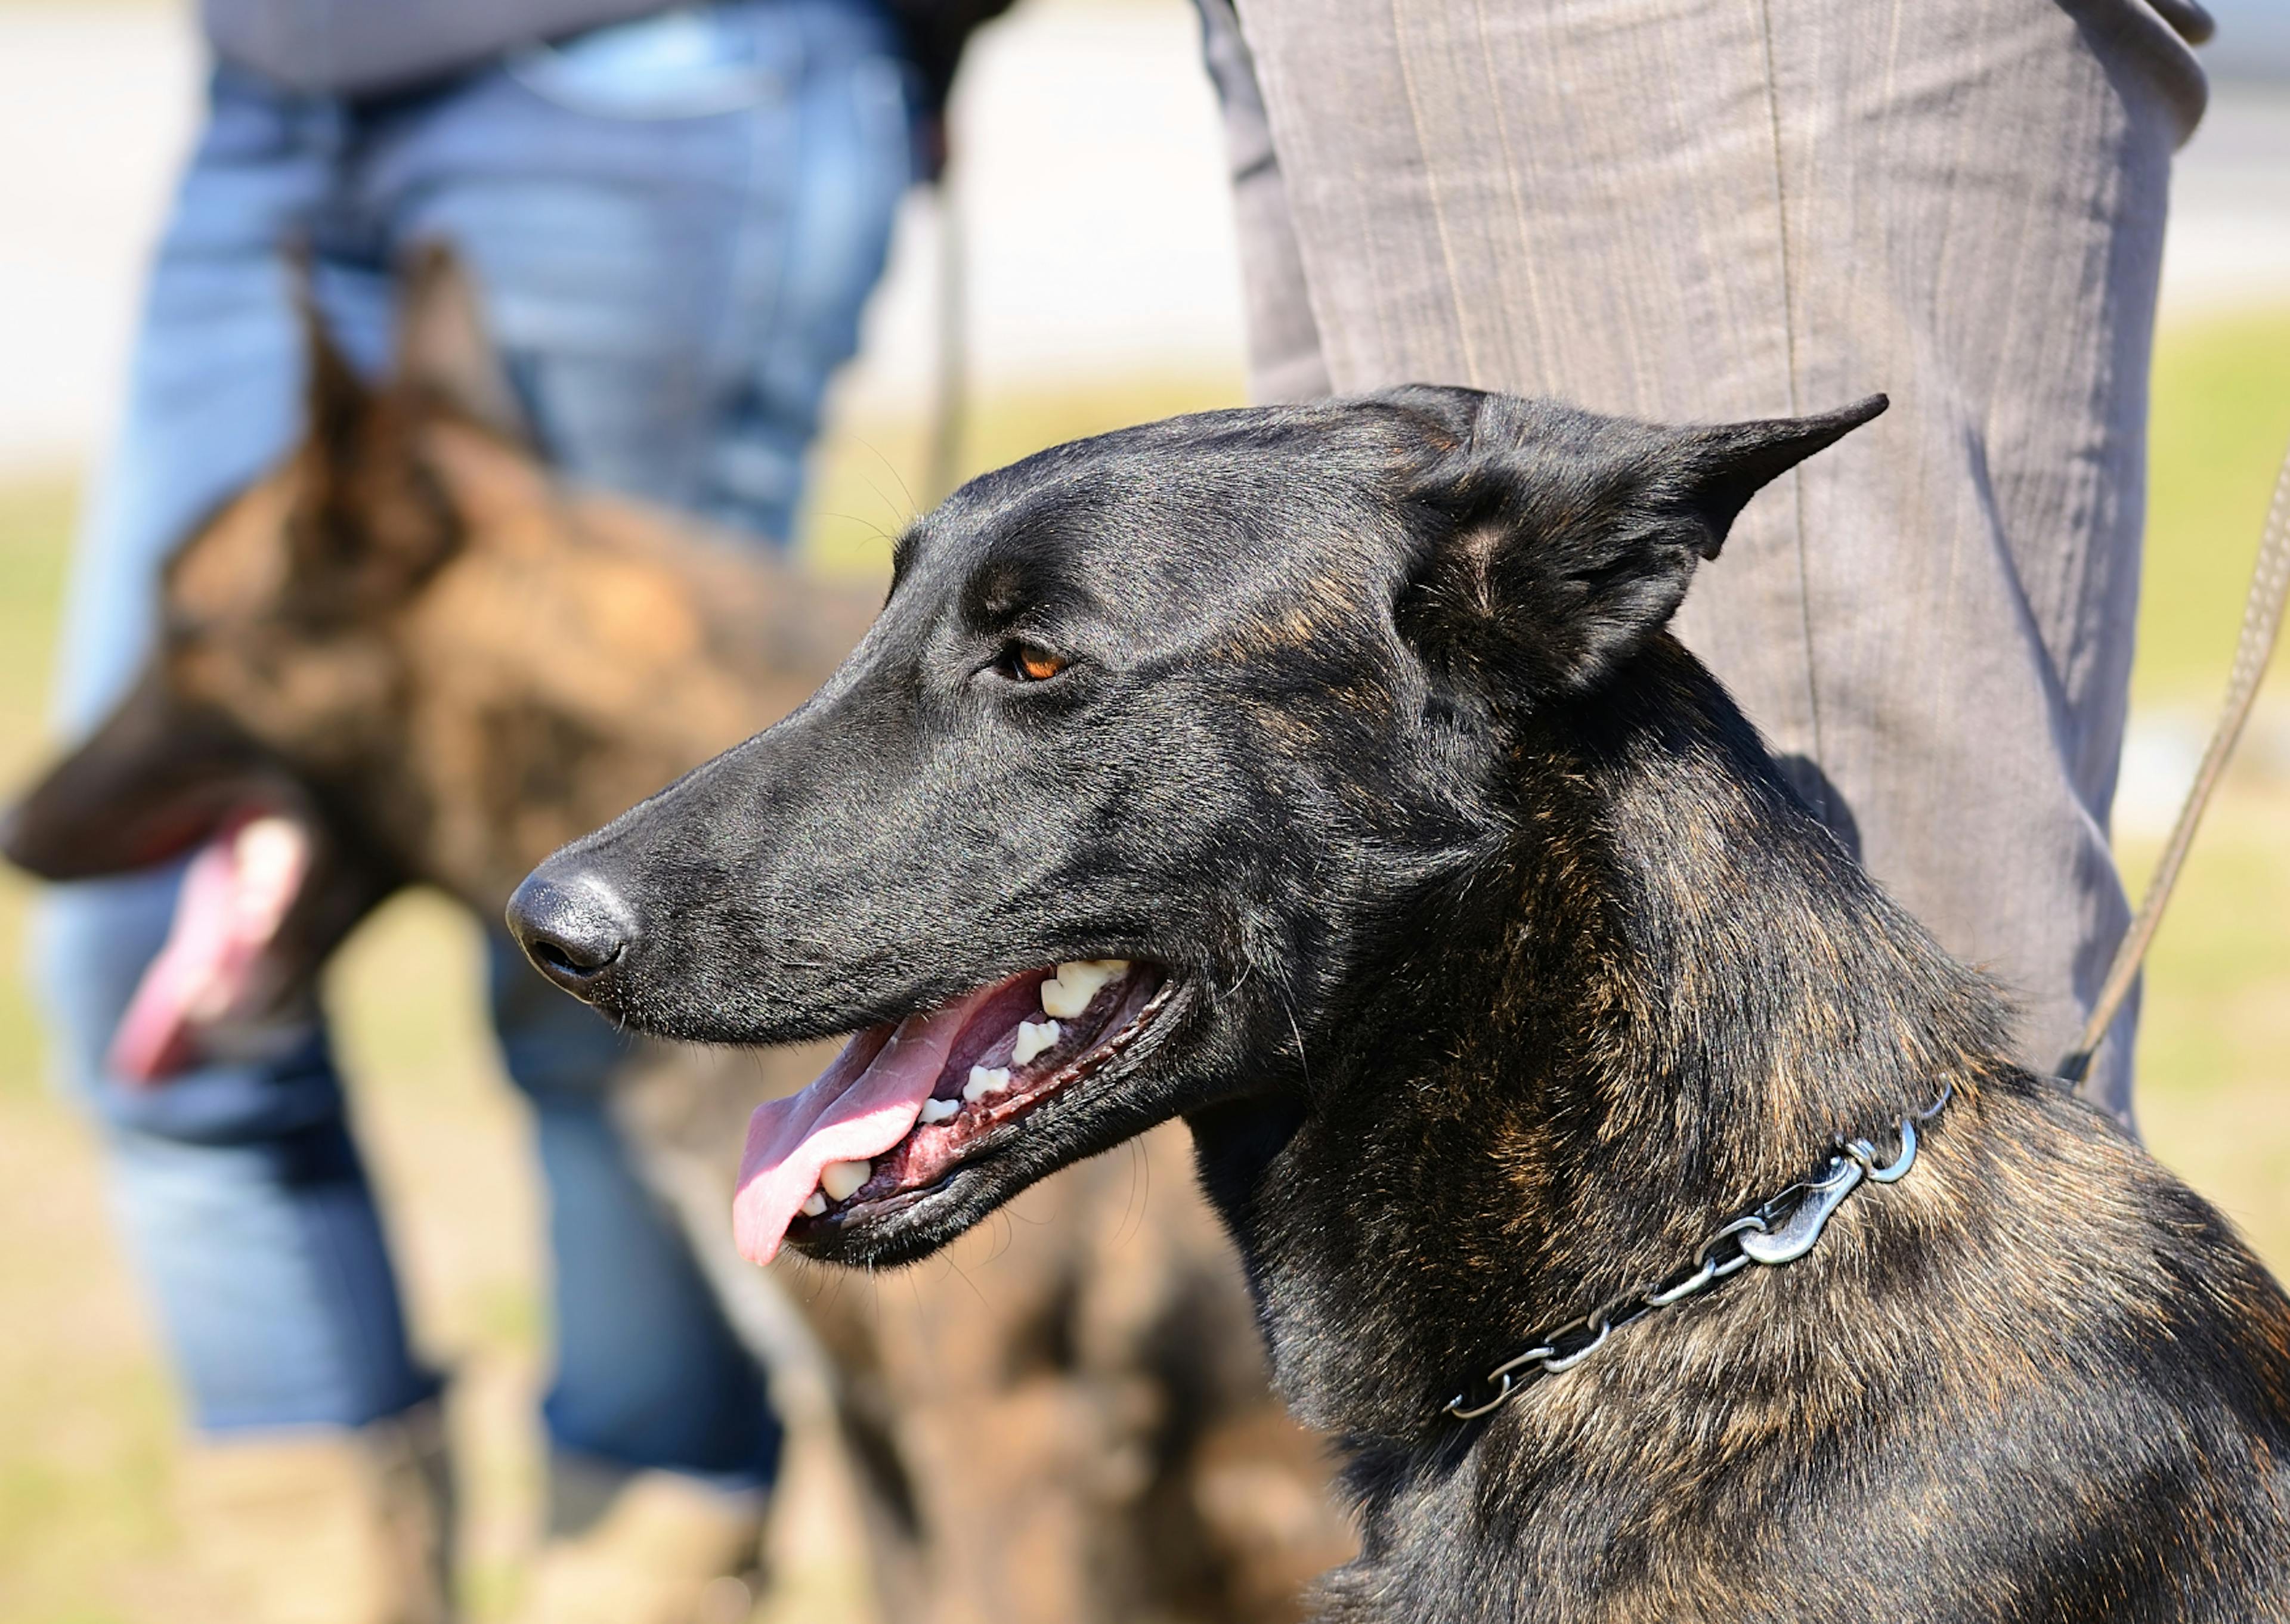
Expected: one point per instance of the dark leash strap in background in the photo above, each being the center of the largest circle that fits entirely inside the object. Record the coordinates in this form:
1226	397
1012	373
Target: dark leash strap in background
2261	621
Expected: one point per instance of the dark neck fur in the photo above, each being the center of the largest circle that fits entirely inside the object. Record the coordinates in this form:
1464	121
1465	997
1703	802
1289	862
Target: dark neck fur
1665	1003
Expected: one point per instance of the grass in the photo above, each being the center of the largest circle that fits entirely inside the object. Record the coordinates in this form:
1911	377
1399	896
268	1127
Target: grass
2220	426
33	519
2215	1033
85	1413
87	1419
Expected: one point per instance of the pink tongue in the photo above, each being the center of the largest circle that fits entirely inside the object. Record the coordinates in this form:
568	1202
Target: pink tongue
862	1105
234	895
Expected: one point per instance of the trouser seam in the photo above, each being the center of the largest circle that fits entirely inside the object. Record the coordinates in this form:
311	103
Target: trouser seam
1818	788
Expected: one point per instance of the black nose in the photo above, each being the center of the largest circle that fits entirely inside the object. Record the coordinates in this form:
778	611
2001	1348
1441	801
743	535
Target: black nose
573	927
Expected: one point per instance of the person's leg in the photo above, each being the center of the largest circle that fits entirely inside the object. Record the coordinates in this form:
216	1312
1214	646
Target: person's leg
239	1192
648	1372
1726	210
1285	363
673	226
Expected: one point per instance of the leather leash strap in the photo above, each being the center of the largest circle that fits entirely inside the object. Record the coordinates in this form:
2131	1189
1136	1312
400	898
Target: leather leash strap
2262	620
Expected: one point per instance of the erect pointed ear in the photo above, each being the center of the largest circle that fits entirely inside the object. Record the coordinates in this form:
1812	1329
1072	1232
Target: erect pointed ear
369	520
1723	465
336	401
445	356
1556	541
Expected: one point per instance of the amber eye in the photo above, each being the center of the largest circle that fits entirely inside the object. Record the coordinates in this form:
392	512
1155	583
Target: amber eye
1031	662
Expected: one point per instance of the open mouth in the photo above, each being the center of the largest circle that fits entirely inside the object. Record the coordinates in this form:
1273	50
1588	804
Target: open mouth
910	1101
235	896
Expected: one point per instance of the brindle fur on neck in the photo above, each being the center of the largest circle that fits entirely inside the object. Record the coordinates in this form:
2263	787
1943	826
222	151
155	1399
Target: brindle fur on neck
1671	996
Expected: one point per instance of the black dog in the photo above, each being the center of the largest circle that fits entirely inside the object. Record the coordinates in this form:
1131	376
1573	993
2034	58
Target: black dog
1339	758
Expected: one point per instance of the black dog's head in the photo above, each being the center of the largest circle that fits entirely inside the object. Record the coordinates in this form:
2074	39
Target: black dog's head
1204	714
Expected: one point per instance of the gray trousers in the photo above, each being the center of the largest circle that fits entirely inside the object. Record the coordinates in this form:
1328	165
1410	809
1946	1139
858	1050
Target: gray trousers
1716	209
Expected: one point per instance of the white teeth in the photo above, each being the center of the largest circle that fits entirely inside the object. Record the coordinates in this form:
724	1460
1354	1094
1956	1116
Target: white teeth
1067	993
1032	1039
268	850
813	1205
984	1081
840	1179
939	1110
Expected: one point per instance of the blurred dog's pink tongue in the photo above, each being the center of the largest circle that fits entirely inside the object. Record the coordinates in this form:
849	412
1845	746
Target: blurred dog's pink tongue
862	1105
234	897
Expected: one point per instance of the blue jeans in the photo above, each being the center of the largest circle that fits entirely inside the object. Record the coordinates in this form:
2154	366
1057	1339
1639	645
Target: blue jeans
674	223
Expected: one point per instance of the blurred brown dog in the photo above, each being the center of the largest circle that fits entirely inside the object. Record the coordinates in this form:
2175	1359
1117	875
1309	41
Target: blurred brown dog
426	662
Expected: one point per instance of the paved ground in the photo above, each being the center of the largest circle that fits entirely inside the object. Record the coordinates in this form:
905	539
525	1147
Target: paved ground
95	105
1101	241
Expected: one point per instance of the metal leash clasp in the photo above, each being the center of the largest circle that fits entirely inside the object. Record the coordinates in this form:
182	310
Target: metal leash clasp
1796	1217
1791	1232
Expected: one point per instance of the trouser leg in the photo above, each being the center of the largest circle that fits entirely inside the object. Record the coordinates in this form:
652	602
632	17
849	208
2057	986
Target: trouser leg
1284	362
750	256
1736	208
649	1373
673	227
240	1194
239	1191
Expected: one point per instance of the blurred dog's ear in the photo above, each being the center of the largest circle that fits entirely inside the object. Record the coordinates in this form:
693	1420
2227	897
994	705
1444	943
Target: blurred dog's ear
336	400
369	520
446	359
1554	541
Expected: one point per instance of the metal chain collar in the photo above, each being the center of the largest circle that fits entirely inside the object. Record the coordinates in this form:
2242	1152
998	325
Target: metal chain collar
1781	1231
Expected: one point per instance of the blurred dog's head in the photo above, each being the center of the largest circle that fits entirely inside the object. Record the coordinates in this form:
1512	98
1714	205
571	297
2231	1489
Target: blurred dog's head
405	654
